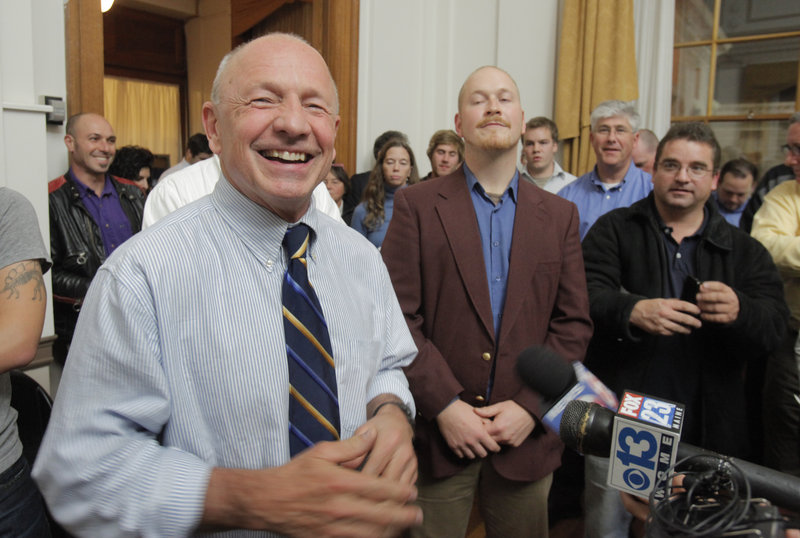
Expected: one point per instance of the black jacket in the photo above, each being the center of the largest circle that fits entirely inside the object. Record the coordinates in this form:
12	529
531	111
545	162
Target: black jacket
626	261
76	248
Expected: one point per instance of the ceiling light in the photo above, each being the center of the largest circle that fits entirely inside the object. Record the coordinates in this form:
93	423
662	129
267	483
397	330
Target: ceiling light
105	5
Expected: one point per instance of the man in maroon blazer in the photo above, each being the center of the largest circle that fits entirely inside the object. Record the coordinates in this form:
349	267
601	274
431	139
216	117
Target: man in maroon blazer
485	265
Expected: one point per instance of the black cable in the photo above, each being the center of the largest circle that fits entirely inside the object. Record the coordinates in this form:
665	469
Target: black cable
716	491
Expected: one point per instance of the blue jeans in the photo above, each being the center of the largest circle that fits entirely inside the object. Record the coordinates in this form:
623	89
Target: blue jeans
604	514
22	512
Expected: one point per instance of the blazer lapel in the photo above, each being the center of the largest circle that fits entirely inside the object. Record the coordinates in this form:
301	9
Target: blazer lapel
530	229
457	215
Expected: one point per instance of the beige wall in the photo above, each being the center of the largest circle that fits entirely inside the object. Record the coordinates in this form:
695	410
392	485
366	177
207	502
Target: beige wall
208	39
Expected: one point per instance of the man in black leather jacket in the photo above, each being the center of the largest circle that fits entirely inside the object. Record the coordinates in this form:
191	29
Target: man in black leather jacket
91	213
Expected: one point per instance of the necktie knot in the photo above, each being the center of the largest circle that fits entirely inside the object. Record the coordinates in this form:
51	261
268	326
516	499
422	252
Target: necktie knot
296	241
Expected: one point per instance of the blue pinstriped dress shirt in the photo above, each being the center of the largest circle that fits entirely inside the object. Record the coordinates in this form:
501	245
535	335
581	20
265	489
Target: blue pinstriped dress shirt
181	338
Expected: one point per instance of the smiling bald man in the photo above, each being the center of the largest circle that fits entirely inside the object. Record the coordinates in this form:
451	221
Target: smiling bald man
173	416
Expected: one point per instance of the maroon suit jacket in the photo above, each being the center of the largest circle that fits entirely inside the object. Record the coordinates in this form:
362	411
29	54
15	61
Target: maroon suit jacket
434	256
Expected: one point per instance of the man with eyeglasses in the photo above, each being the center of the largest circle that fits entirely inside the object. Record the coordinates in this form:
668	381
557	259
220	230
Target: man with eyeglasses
686	307
777	226
615	181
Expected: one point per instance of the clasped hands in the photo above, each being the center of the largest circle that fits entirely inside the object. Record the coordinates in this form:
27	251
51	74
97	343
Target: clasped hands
716	303
474	432
321	493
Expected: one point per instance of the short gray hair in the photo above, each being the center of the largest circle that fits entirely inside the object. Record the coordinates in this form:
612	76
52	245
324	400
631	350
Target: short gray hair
609	109
795	118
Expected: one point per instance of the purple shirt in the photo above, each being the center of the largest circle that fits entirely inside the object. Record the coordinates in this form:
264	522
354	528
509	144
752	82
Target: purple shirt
107	213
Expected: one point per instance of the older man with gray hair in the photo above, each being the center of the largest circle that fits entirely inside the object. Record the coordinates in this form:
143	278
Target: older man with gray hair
615	181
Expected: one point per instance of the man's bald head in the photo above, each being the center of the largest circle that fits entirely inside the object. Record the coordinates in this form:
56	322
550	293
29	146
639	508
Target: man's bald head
490	116
92	145
229	59
273	122
461	92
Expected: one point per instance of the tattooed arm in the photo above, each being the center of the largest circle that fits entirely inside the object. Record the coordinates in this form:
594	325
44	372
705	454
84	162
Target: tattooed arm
22	306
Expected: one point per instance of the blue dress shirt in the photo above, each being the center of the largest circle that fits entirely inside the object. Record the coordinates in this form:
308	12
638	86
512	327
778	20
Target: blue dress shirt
594	199
179	364
733	217
496	225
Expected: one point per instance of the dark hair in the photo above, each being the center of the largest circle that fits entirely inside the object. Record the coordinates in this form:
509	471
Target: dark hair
198	143
129	160
384	138
693	131
374	192
446	136
541	121
738	168
341	174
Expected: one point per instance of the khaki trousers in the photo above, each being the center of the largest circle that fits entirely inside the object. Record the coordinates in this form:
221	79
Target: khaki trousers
509	508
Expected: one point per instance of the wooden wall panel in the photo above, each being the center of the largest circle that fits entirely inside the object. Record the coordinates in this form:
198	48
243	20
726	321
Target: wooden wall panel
245	14
143	42
331	26
84	35
340	46
293	17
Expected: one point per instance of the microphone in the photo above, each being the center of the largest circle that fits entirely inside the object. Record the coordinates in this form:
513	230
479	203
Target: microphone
588	428
560	382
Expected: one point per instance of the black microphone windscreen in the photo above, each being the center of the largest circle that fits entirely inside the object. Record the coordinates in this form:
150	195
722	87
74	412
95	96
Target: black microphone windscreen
587	428
543	370
572	421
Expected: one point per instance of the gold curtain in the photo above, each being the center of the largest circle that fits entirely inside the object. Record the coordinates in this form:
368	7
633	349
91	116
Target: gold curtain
596	62
144	114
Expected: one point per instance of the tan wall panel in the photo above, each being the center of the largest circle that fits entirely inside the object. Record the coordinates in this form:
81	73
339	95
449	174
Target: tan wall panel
341	51
331	26
84	23
208	39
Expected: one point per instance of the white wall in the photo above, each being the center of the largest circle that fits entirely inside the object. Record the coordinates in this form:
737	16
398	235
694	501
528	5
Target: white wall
31	152
654	21
32	65
414	56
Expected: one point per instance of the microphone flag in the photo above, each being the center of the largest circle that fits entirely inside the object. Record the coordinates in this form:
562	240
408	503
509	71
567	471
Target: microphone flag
588	388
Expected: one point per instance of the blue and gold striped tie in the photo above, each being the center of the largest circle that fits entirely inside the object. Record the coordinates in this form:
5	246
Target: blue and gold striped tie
313	400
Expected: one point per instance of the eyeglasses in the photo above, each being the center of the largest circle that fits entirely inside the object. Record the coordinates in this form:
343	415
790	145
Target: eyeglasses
694	171
606	131
790	149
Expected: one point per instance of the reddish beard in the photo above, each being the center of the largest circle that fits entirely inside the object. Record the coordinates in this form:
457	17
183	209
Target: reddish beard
495	139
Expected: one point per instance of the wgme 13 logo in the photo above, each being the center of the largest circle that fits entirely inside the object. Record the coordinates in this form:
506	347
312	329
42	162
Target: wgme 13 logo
646	434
